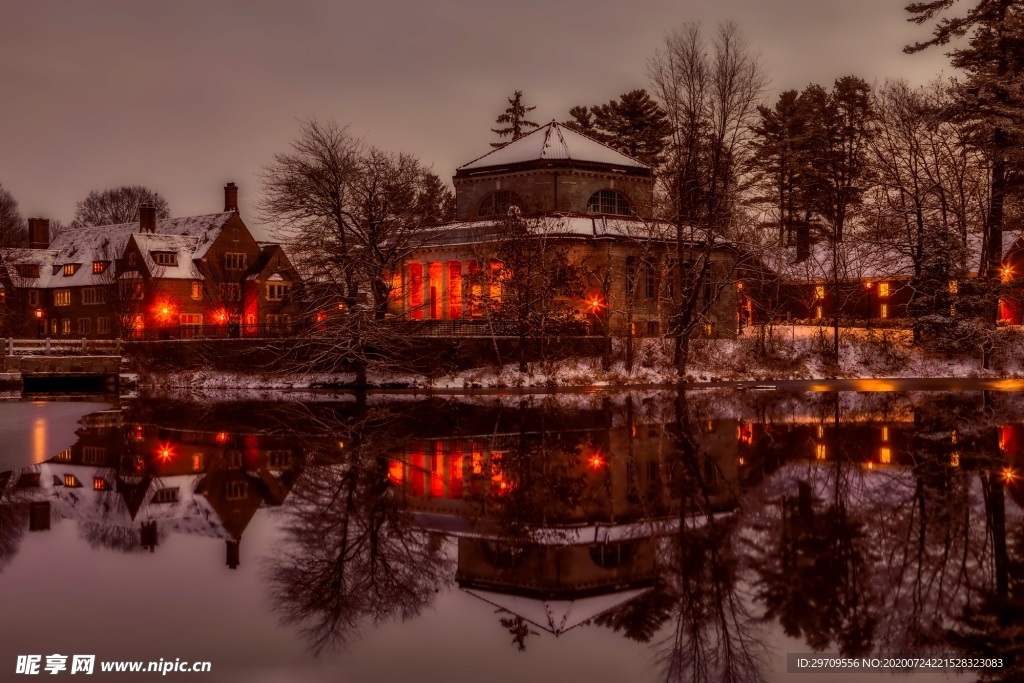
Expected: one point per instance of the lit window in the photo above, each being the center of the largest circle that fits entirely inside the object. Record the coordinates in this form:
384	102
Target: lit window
498	203
883	289
72	481
608	201
100	484
65	326
165	258
885	455
819	451
817	312
954	287
135	290
276	291
954	459
234	261
885	433
885	311
98	267
94	295
197	462
62	297
197	290
819	291
190	320
70	269
63	456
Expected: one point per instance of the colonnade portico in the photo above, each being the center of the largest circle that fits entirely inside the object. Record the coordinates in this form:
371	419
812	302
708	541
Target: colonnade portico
441	289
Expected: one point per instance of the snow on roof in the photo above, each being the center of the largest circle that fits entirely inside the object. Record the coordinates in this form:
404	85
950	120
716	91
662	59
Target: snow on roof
44	258
553	142
556	616
184	248
471	232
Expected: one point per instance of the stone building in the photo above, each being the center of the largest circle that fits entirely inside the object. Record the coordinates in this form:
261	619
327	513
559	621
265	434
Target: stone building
580	198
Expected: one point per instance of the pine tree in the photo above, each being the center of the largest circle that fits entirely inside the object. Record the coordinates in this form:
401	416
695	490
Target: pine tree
514	120
582	121
634	125
993	60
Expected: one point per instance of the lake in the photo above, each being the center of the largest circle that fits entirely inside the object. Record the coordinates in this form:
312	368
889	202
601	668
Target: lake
642	536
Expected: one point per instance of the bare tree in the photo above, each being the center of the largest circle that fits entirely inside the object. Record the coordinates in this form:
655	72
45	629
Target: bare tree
710	94
118	205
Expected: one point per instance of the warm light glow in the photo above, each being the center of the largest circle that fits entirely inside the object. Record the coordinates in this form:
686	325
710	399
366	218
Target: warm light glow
164	310
595	304
596	461
869	285
165	453
883	289
739	285
220	316
871	465
819	292
1009	474
741	460
885	455
341	444
1007	273
396	472
885	433
821	431
222	437
884	313
819	451
39	313
954	459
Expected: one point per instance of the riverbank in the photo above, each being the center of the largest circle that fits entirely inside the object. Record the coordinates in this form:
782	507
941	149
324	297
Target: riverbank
790	353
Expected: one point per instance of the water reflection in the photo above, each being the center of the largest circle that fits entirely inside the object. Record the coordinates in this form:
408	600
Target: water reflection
697	523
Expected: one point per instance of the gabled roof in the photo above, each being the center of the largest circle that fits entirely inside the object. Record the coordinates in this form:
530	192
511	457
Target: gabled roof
553	142
560	225
556	616
184	247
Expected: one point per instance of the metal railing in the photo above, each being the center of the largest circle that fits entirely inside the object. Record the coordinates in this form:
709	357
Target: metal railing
62	347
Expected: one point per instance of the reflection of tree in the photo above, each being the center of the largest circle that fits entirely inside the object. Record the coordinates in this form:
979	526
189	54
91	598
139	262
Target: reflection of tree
352	557
519	629
12	528
712	633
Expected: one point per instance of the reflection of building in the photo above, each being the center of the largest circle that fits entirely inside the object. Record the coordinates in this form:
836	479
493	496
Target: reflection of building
129	485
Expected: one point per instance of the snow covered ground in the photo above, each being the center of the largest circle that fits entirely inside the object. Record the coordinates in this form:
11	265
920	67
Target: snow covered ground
792	352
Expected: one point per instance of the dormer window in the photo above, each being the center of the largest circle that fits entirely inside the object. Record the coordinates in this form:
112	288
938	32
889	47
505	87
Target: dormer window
70	269
99	267
28	270
165	258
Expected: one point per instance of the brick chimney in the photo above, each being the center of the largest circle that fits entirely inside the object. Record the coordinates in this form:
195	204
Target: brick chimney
231	197
147	218
38	233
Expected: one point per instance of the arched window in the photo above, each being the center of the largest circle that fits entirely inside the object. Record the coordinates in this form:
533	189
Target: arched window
497	203
608	201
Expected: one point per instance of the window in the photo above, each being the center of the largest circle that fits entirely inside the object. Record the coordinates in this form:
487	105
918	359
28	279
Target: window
28	270
236	490
276	291
93	455
63	456
99	267
234	233
165	258
883	289
954	287
190	320
70	269
62	297
84	325
165	496
650	282
817	312
33	297
231	291
608	201
652	328
197	462
132	260
94	295
102	325
197	290
885	311
819	291
100	484
630	276
65	326
234	261
72	481
819	451
498	203
135	291
885	455
233	459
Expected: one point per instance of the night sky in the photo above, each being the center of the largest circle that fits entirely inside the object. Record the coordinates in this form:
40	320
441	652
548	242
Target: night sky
184	96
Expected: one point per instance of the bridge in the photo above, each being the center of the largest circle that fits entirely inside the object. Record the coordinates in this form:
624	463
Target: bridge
63	364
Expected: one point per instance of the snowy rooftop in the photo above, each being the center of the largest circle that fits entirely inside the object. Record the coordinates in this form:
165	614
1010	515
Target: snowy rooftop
553	142
469	232
556	616
184	248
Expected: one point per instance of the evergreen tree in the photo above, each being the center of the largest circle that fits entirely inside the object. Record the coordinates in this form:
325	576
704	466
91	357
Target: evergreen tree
993	59
582	121
514	120
635	125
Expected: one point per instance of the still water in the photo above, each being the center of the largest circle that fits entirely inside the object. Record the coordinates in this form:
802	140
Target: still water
697	536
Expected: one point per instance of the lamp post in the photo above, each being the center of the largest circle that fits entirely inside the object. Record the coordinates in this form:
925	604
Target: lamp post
870	286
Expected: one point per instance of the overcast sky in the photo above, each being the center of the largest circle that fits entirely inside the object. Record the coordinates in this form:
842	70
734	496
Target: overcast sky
184	96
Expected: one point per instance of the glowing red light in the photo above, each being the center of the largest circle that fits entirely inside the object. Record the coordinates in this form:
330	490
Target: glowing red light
222	437
165	453
1009	474
221	316
39	313
596	304
596	461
